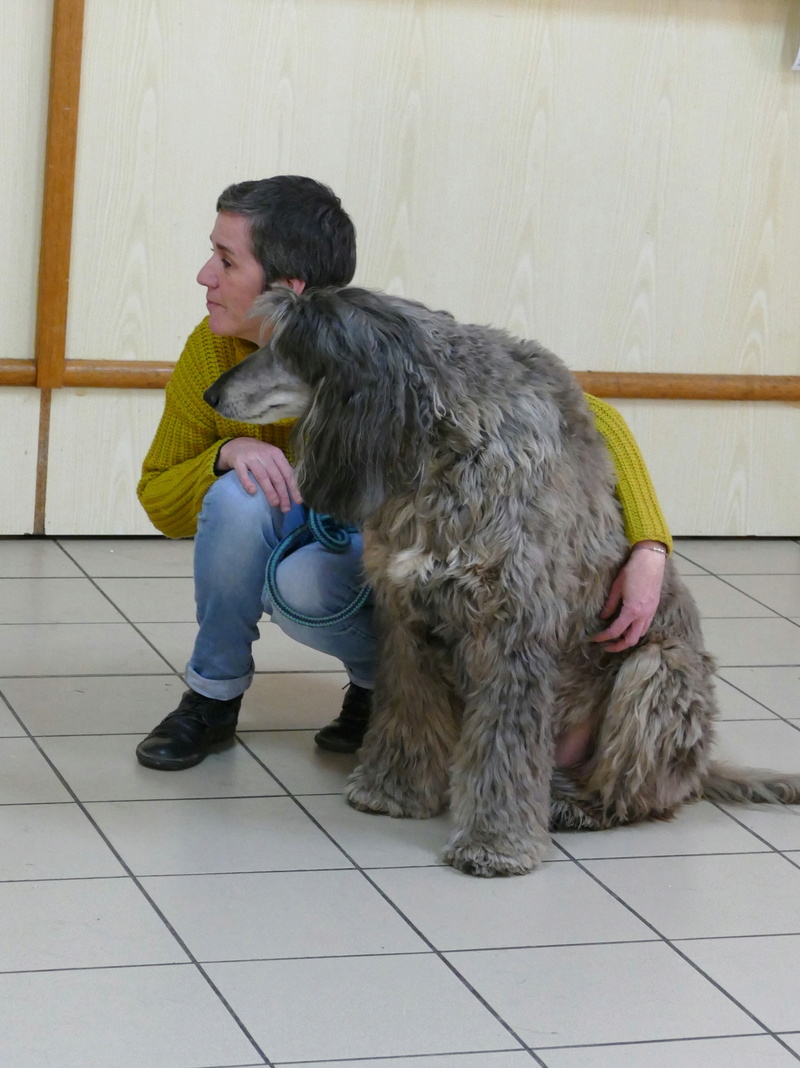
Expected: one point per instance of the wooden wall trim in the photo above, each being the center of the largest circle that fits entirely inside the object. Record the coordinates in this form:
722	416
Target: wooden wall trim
59	183
17	373
145	374
640	384
117	374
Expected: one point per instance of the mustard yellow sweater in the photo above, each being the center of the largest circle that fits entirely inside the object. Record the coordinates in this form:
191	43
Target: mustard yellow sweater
179	466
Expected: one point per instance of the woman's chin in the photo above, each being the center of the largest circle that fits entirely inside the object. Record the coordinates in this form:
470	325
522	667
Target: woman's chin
219	322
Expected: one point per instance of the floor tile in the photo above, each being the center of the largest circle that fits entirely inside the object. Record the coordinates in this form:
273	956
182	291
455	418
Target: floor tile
34	558
770	744
152	600
733	704
9	725
81	923
282	914
76	649
793	1041
25	775
776	688
80	1019
717	598
698	828
303	1009
292	700
557	904
52	842
779	825
376	841
117	704
763	974
275	652
752	642
630	992
747	1052
104	768
781	593
301	930
55	600
743	556
301	766
716	896
220	835
132	557
682	565
519	1059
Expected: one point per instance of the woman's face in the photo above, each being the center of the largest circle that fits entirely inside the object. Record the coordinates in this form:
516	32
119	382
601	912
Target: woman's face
233	278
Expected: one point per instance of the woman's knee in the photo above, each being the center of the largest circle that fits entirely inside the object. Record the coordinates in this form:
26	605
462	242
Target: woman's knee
316	583
234	516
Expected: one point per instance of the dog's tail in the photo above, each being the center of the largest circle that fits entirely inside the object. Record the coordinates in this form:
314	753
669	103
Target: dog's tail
732	785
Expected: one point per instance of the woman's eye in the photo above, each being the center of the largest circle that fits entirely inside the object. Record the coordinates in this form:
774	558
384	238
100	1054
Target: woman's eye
226	263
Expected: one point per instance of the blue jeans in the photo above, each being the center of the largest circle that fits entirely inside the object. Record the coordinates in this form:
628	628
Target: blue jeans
236	533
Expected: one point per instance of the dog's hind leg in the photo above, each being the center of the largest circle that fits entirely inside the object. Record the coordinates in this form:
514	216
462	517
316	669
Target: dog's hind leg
500	784
654	738
405	758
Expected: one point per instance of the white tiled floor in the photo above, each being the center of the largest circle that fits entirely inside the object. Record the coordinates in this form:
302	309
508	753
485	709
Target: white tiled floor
241	914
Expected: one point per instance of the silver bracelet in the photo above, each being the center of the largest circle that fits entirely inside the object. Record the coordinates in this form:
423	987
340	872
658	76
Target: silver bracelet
652	548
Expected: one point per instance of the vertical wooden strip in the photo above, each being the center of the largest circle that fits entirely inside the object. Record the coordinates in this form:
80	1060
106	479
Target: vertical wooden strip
56	238
59	182
40	500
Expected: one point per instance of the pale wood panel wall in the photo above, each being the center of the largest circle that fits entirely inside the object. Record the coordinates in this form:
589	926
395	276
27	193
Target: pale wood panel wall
618	178
24	56
98	440
19	419
722	468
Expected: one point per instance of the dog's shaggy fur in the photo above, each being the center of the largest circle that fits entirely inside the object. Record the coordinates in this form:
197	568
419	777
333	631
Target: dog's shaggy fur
492	536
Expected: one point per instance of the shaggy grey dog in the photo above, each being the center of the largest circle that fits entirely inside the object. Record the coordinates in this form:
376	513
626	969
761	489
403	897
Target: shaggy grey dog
492	535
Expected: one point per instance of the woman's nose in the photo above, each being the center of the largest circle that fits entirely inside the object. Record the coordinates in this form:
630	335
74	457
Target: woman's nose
205	276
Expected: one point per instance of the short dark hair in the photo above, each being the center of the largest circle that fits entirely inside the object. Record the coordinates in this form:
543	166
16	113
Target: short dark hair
298	229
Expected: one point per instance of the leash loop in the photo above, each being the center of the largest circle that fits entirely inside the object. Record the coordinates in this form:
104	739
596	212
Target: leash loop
334	538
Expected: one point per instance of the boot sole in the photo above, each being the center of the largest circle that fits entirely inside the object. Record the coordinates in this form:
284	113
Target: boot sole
180	763
335	745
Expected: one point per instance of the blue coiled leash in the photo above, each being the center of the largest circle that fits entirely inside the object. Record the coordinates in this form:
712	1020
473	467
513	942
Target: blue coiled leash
335	539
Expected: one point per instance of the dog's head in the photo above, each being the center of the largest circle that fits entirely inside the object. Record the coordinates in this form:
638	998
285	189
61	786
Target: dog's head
354	367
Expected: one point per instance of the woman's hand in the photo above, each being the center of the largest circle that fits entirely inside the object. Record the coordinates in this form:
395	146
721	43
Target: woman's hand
635	593
259	464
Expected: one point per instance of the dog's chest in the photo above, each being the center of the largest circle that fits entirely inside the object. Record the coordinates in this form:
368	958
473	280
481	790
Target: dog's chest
413	560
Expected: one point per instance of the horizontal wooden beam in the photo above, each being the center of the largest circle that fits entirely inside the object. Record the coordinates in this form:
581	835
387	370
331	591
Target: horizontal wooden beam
117	374
17	372
145	374
640	384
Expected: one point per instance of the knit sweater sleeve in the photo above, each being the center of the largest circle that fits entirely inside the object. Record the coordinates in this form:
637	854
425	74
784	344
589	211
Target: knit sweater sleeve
644	520
179	466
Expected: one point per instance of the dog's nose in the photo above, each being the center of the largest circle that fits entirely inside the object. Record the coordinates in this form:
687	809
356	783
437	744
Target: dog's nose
211	395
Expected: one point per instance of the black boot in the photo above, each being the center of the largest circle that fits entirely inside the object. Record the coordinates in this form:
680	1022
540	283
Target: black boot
346	733
184	738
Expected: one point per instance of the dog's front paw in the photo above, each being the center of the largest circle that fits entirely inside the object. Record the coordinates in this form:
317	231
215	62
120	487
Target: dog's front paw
364	793
498	858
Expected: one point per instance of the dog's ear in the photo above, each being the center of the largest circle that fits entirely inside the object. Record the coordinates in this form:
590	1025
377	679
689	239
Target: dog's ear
272	306
365	429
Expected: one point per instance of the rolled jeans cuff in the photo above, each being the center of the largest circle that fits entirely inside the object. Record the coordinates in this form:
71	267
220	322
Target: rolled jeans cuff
218	689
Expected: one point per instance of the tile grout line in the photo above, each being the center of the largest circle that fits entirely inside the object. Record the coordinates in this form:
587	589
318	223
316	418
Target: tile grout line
135	879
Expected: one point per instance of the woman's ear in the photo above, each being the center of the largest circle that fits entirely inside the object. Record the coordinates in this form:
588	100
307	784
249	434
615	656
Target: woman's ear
297	285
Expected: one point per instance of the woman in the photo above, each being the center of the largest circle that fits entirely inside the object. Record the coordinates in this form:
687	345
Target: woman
232	487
